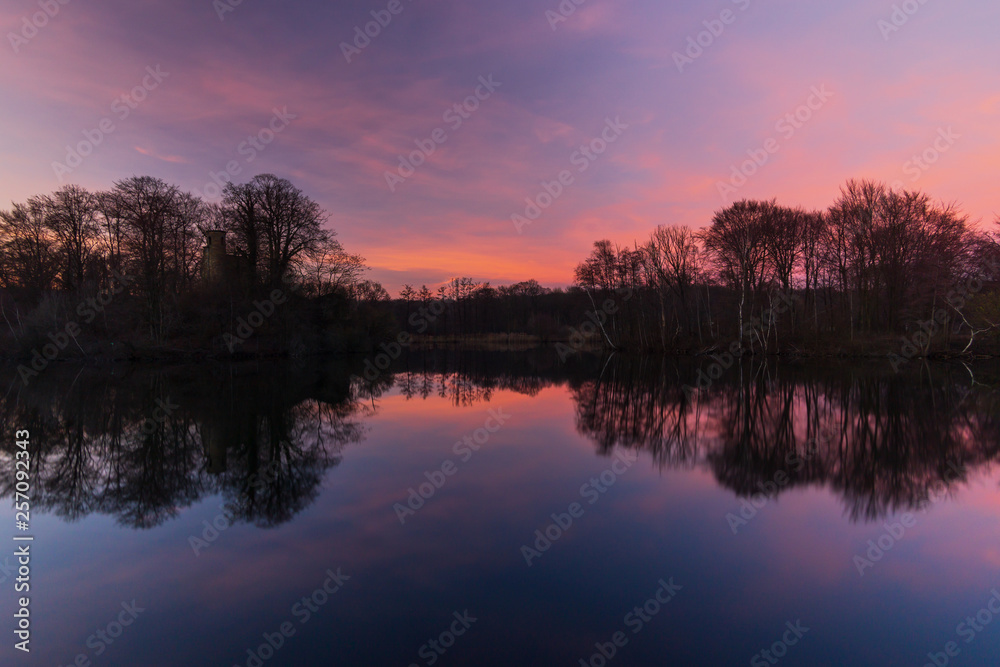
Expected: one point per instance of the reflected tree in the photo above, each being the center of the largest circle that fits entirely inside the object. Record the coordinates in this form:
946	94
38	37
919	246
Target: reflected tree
146	445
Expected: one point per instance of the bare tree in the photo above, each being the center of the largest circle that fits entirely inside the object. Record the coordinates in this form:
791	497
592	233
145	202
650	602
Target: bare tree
111	237
291	224
148	209
28	250
184	239
71	214
737	241
327	267
812	236
674	262
784	243
370	291
599	270
243	218
895	252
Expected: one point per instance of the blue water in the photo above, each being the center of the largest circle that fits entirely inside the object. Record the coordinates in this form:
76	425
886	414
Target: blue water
689	528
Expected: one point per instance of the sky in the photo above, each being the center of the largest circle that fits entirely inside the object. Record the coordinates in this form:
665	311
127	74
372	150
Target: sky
682	108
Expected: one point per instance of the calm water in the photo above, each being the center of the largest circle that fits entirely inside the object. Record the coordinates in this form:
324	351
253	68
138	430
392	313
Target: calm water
828	514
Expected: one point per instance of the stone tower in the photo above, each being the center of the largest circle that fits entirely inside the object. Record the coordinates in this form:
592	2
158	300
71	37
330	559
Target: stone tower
215	261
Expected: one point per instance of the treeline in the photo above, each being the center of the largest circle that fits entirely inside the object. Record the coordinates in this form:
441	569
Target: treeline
761	277
463	307
879	263
134	254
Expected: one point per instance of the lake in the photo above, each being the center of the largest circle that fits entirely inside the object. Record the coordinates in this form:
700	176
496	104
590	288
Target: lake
474	508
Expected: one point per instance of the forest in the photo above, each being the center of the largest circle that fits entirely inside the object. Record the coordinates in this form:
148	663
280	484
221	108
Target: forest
119	274
881	271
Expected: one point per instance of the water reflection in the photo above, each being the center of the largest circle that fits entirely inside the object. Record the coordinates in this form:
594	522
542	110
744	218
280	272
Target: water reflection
882	441
142	444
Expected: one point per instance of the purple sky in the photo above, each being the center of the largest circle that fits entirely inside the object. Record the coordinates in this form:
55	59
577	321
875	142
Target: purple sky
929	86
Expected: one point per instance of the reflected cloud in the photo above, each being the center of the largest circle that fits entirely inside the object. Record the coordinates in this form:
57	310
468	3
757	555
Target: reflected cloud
883	442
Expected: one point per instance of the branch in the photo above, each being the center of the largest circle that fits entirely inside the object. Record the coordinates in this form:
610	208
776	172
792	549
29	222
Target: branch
973	332
599	323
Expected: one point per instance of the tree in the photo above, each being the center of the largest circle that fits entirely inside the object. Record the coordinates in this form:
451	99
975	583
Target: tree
600	269
327	267
291	225
894	251
673	259
111	237
812	236
784	243
737	241
407	294
29	256
183	241
370	291
71	215
279	228
148	209
529	288
242	217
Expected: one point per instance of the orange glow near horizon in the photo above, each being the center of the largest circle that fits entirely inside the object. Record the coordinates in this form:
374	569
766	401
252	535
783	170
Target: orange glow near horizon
686	130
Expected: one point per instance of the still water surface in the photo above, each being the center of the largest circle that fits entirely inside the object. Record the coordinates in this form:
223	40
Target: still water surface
501	509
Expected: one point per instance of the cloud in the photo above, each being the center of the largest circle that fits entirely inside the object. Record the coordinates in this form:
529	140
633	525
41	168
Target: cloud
452	217
165	158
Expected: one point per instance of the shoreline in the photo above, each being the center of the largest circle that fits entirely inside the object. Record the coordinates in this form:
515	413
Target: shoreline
514	343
